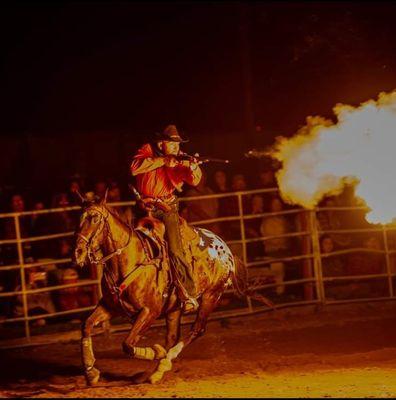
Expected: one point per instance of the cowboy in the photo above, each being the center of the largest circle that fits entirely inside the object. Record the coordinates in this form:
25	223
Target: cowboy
158	175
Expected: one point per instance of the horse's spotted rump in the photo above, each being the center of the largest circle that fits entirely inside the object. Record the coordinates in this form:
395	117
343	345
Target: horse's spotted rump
216	248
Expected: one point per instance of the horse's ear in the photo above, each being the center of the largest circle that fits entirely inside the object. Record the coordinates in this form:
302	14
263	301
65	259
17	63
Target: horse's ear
105	196
82	199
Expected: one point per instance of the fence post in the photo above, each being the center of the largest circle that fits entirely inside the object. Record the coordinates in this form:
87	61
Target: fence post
243	238
317	257
22	271
388	264
306	249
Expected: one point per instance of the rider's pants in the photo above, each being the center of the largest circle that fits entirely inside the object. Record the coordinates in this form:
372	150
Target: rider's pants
173	236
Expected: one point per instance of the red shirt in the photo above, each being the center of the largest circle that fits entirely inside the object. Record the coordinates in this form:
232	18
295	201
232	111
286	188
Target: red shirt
154	179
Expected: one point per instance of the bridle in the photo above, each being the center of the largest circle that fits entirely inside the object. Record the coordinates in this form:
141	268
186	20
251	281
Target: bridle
91	253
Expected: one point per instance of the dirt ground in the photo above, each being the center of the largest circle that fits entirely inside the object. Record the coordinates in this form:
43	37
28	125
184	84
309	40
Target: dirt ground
339	351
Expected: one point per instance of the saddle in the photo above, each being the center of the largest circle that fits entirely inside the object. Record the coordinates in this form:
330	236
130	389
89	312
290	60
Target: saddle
151	232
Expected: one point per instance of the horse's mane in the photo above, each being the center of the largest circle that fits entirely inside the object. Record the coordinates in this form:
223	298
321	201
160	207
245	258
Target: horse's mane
115	214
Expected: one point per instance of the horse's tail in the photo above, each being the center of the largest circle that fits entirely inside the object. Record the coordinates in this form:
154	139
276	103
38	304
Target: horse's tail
240	283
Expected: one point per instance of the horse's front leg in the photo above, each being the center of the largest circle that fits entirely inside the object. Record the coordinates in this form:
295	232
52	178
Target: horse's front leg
100	314
156	352
208	303
145	319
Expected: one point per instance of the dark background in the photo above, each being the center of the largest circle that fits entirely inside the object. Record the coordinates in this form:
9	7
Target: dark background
84	83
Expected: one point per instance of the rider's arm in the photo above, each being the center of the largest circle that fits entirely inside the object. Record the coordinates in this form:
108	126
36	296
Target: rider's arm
140	166
194	174
145	162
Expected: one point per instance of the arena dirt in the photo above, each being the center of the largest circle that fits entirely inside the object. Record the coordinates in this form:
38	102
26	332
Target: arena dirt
339	351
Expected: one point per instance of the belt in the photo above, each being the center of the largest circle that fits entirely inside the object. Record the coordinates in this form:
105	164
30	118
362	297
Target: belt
162	203
165	199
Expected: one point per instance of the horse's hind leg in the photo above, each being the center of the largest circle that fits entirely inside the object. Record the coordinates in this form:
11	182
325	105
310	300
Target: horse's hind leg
208	303
100	314
172	328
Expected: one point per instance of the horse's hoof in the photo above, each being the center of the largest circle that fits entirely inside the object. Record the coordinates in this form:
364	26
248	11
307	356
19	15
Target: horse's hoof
155	378
92	376
163	366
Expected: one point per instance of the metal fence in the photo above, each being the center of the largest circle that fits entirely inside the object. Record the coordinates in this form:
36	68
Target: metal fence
308	282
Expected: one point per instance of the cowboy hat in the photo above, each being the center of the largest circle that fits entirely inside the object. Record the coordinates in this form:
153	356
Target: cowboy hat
170	134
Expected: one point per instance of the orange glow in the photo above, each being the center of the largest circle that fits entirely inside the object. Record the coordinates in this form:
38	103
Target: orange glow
360	148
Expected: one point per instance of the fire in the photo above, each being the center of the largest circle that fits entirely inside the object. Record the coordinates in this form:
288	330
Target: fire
360	148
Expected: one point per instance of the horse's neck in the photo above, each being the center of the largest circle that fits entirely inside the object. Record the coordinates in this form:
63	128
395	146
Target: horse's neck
118	234
118	237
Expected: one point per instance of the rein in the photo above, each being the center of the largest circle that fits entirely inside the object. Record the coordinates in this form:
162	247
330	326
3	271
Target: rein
115	252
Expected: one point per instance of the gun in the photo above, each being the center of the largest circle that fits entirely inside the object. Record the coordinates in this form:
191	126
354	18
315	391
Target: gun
258	153
200	159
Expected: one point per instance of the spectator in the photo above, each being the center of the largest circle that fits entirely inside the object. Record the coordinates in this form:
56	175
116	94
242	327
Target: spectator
38	303
17	205
100	188
199	210
73	297
125	212
267	178
364	263
39	227
220	182
238	184
226	204
74	188
277	247
252	228
65	249
11	278
332	265
267	181
330	220
62	221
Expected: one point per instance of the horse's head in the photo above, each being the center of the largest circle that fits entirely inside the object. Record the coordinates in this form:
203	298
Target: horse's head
91	231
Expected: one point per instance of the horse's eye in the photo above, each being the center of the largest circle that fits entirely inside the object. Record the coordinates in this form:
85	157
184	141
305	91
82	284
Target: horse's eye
95	219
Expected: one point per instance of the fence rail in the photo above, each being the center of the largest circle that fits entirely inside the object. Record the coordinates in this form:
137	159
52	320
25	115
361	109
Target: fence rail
309	263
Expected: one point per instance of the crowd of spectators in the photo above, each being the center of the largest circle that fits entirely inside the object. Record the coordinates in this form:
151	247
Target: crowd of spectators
268	223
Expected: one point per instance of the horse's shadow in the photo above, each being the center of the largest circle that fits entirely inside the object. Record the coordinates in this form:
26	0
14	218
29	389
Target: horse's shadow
27	375
138	378
29	370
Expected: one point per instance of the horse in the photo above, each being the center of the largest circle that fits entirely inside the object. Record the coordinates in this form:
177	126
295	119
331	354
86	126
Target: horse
138	282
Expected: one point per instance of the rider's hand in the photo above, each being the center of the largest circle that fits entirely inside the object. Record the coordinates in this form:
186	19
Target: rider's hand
171	161
195	162
194	165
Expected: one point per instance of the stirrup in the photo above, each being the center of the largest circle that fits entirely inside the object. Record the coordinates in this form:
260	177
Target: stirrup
191	304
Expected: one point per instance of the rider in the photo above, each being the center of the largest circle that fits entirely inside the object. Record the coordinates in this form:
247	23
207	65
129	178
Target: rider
158	175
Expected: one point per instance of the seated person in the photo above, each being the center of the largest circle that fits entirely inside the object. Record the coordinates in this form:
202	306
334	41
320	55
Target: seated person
38	303
332	265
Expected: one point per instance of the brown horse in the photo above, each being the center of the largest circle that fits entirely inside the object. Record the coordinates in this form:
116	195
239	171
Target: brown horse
140	285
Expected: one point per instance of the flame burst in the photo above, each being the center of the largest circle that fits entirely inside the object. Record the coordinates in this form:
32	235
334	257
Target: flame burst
360	148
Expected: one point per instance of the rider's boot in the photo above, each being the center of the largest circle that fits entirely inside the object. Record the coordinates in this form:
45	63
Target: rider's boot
190	304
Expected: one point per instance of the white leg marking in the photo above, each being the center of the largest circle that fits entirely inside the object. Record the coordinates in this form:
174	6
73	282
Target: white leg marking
166	363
